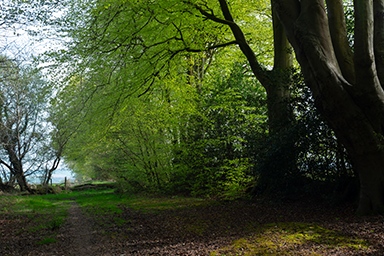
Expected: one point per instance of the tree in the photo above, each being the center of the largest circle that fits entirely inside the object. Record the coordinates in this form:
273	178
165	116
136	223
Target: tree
347	84
129	143
149	42
145	38
322	165
23	129
214	157
138	41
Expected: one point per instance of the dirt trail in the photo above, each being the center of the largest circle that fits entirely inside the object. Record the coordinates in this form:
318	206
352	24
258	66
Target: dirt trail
79	231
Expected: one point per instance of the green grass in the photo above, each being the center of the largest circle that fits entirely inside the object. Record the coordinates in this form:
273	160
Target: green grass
49	240
40	213
97	182
27	205
108	202
100	201
46	214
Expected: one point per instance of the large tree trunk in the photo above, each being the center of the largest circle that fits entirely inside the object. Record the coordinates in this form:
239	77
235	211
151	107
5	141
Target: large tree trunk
347	90
17	169
280	113
275	82
370	169
21	180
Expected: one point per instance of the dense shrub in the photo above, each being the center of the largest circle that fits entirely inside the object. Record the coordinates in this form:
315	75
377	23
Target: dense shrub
305	158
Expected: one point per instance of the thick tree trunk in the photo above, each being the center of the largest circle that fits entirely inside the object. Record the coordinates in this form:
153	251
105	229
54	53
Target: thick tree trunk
349	97
358	134
21	180
280	113
370	169
276	84
17	169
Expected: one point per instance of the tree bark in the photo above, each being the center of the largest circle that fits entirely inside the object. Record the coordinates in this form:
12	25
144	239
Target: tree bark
370	168
379	37
353	108
17	169
280	113
275	82
21	180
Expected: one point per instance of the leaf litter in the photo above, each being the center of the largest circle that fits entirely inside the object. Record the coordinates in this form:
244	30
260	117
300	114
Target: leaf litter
238	227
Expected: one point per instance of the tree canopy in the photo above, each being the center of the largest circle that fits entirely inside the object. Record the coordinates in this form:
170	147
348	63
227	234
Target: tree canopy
162	94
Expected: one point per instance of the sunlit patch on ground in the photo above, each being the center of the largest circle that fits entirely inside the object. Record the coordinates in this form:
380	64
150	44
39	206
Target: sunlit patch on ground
292	238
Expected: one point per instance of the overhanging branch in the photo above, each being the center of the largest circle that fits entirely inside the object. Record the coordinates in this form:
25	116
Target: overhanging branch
210	47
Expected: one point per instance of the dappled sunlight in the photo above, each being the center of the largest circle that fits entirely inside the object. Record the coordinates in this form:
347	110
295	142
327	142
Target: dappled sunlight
288	238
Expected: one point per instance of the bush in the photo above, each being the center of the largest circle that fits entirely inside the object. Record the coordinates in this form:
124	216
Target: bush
305	158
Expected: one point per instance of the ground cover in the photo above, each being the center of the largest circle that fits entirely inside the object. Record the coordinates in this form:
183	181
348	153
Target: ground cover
101	222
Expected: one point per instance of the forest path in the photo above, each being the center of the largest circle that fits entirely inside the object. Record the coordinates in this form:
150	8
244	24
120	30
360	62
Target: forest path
79	231
97	223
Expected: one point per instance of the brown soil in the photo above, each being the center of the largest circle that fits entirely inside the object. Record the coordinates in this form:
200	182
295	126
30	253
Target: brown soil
188	231
78	231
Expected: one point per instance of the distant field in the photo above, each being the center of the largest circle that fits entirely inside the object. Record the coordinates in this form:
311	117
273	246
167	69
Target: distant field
57	177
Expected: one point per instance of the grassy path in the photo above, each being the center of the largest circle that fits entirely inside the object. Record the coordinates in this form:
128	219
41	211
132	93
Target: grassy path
99	222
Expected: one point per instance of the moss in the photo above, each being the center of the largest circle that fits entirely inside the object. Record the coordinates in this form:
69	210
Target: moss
291	238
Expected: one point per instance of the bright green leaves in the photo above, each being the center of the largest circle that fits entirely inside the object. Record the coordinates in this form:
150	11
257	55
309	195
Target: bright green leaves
214	152
167	52
135	41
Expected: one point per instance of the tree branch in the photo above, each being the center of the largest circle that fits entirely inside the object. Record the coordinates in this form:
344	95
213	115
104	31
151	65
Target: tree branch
258	70
364	54
7	165
378	11
338	30
210	16
211	47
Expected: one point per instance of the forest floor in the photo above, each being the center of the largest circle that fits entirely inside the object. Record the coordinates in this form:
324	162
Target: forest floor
100	222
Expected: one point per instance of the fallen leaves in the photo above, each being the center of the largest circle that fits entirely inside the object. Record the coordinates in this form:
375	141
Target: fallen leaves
221	228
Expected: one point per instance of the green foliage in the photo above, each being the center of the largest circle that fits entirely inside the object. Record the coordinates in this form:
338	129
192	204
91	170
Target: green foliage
168	51
214	156
152	99
305	158
350	22
133	144
147	38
